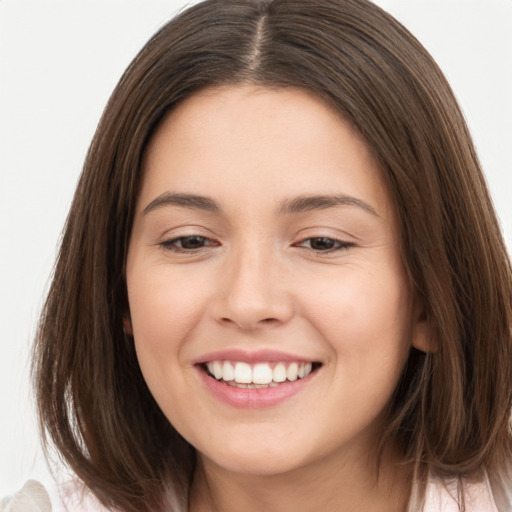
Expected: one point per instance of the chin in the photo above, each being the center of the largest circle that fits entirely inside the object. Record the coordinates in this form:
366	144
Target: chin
256	459
260	466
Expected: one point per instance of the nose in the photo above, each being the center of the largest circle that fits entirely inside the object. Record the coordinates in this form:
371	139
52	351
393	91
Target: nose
254	292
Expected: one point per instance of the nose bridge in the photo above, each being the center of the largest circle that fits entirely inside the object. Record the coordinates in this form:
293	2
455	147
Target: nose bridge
254	291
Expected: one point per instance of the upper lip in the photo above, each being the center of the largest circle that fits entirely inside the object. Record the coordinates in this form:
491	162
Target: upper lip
256	356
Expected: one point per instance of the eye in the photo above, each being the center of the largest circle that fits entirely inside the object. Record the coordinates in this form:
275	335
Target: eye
186	244
324	244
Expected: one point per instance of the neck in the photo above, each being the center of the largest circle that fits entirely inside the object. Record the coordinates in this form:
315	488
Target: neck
331	486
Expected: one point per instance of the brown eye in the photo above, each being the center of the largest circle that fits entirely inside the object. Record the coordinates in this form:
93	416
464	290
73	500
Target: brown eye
324	244
190	243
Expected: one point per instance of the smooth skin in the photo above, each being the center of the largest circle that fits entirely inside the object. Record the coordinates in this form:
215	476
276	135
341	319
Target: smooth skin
223	255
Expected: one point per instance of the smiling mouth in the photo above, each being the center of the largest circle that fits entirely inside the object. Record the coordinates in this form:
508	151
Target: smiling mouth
260	375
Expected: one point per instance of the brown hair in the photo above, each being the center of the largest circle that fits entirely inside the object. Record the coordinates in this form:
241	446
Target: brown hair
451	410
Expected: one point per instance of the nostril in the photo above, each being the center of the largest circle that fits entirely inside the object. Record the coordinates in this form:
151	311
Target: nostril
263	321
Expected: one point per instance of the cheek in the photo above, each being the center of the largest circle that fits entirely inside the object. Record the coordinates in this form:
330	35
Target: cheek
366	324
365	317
162	302
164	313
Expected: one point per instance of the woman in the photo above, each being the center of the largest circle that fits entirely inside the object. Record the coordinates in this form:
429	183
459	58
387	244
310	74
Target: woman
282	284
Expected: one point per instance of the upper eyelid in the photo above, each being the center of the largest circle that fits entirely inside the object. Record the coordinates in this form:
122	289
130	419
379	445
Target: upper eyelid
171	245
338	240
185	231
169	240
345	238
199	231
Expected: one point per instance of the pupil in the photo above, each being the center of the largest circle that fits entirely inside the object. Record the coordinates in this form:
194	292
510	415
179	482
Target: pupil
322	244
192	242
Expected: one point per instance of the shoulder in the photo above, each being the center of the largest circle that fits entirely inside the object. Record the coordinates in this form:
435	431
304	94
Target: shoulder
35	497
478	495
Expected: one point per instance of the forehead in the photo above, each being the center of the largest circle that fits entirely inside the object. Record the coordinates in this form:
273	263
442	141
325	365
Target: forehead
260	143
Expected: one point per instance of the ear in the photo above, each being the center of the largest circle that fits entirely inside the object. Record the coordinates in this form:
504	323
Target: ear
127	325
421	333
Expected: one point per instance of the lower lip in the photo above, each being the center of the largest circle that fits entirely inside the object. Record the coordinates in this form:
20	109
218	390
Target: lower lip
253	398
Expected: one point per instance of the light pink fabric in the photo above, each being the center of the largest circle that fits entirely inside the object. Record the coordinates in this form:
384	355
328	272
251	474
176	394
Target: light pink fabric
73	497
31	498
442	496
34	497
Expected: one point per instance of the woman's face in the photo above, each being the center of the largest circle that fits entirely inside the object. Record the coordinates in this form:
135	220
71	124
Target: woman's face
265	252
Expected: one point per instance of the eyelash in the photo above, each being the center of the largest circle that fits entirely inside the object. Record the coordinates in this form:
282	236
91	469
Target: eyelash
338	245
172	245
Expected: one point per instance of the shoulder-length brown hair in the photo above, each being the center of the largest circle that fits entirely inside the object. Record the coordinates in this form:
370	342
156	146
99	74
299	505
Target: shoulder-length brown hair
451	410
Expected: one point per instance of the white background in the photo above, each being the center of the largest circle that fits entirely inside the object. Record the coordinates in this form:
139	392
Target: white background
59	61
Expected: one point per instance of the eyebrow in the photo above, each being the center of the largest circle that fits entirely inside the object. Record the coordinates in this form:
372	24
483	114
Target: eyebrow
308	203
299	204
191	201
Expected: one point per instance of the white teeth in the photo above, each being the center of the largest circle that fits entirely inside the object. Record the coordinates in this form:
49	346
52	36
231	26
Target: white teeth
260	375
217	369
279	373
228	373
291	372
243	373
